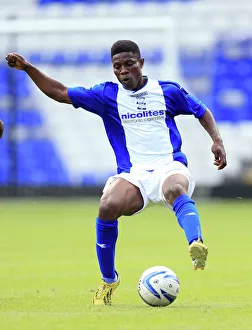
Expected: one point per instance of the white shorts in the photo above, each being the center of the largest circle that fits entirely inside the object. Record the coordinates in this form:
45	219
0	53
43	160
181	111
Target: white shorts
150	182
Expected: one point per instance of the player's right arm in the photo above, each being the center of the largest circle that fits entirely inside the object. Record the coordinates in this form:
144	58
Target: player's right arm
50	87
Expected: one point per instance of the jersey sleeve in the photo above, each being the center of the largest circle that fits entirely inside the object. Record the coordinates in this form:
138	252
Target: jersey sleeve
185	103
90	99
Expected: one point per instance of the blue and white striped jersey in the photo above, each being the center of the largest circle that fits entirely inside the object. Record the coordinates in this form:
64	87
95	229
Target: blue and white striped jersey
140	124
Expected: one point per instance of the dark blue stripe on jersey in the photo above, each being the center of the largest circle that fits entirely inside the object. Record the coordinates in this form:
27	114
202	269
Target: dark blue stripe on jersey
175	140
115	130
174	133
175	137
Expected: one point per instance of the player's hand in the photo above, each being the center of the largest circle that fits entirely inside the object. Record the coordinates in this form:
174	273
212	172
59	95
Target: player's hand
1	128
16	61
220	159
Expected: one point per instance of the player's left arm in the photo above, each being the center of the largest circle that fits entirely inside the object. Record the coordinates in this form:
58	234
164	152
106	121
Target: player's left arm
187	104
209	123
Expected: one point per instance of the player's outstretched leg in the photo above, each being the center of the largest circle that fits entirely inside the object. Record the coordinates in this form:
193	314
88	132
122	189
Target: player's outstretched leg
106	234
188	218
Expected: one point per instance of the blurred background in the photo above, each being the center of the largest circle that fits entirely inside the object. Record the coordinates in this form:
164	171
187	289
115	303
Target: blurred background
50	149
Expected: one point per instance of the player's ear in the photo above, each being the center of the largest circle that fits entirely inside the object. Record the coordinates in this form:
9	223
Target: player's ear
141	62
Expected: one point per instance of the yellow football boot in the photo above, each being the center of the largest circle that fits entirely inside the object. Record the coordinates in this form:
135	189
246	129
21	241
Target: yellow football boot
198	252
103	295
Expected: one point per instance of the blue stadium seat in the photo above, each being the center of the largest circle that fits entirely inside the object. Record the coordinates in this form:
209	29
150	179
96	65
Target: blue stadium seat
247	85
84	57
105	58
231	102
4	163
24	117
3	80
37	161
40	164
18	79
95	2
29	117
23	84
34	57
3	72
88	179
60	58
4	116
27	176
195	63
4	174
154	56
232	73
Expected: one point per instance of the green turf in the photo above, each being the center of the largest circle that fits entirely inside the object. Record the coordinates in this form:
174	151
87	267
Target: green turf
48	268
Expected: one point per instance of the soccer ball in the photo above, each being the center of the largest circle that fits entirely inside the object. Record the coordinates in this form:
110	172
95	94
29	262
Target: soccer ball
158	286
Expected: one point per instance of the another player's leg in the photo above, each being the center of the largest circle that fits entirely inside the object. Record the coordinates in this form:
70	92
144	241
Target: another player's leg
175	190
1	128
121	198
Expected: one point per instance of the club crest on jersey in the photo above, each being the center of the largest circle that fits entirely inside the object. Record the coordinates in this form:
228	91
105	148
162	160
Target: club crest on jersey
139	95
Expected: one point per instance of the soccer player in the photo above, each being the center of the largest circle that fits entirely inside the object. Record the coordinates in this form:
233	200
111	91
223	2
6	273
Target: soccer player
138	114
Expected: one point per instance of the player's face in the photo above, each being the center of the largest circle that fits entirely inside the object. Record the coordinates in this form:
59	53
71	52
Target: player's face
128	70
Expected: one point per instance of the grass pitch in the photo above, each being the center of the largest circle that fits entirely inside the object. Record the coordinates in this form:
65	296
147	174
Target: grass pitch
49	272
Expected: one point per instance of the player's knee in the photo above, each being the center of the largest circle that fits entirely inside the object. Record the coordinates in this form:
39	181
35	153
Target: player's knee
174	191
109	209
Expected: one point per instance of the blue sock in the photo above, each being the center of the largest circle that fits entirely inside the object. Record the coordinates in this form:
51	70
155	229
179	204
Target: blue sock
188	217
106	236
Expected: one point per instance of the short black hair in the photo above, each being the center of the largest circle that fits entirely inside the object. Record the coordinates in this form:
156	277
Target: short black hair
122	46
